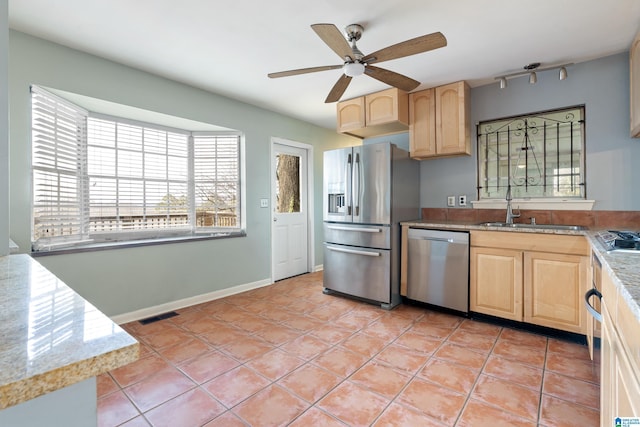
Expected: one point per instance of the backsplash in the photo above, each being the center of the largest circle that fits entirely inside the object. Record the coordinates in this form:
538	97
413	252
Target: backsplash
591	219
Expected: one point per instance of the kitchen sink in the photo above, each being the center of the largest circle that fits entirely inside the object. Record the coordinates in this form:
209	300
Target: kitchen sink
539	226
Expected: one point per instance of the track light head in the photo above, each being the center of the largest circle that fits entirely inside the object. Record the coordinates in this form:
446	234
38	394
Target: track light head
563	73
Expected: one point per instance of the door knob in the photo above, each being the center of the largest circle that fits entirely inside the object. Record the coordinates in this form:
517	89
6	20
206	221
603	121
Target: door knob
275	219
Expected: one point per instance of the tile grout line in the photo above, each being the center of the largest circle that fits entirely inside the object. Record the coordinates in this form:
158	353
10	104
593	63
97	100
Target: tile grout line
360	330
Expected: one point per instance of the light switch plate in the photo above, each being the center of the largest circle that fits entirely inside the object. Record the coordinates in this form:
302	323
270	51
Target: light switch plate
451	201
264	203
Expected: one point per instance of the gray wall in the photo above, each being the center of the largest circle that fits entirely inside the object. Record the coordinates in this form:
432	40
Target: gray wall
124	280
399	139
602	85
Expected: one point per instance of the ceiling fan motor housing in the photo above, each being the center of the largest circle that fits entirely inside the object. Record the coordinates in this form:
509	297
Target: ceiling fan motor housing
354	32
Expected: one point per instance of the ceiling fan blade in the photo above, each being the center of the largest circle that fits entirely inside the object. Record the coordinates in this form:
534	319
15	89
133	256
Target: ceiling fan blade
330	34
338	89
408	47
391	78
304	71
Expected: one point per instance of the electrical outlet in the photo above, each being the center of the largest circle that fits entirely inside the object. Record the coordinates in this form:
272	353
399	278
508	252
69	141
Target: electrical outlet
451	201
264	203
462	200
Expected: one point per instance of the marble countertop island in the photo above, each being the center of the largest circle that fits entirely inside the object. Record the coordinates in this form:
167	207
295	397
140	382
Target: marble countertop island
51	337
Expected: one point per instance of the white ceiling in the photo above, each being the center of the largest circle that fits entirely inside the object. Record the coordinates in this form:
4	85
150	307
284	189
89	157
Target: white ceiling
229	47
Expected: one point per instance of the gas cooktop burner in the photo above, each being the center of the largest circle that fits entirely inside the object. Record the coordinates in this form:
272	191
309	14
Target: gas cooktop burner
613	240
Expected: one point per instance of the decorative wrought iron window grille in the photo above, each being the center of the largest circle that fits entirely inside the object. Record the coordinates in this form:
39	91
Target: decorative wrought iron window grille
538	155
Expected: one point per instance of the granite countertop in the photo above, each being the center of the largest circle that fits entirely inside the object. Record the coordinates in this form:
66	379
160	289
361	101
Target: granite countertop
624	268
51	336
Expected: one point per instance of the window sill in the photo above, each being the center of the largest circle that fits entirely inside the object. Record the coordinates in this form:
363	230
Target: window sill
94	247
541	204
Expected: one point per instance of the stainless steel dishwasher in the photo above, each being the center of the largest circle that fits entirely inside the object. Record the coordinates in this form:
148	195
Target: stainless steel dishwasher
438	268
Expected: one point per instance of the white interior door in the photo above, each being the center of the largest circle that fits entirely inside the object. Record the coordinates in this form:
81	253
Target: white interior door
289	231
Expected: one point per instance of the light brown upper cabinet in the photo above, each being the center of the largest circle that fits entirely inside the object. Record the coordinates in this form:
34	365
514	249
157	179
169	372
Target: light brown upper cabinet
439	121
379	113
634	86
422	123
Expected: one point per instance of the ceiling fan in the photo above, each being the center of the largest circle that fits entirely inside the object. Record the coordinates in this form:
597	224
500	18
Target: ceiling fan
356	63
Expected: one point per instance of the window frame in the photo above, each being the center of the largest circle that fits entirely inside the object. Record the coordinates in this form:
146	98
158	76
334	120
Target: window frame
501	189
98	240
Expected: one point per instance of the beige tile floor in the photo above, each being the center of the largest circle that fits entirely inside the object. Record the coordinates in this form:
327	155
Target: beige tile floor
287	354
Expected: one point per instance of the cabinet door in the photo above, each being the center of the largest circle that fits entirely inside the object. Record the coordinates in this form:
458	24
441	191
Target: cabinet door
593	326
351	114
496	282
627	388
607	371
387	106
422	124
452	119
634	86
554	288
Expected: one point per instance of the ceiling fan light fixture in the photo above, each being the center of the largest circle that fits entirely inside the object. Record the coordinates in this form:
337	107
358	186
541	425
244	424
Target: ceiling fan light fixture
353	69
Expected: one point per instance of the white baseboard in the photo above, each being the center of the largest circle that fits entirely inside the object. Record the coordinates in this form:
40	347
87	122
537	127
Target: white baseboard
186	302
318	268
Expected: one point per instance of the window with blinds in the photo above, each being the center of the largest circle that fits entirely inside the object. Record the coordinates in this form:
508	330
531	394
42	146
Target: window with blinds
107	179
538	155
59	156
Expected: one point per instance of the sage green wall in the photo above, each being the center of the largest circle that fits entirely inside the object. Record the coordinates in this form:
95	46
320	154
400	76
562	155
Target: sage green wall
124	280
4	129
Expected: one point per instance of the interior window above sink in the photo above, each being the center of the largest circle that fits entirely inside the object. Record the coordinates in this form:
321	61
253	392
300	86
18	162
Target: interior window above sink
538	155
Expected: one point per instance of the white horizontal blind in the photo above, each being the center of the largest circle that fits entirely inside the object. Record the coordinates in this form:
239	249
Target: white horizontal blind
138	177
59	186
102	178
216	170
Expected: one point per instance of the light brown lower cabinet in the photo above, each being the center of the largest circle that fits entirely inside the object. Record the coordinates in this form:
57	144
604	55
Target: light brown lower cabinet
620	365
502	268
518	276
554	288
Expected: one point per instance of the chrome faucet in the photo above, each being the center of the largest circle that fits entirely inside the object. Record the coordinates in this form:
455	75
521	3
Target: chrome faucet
510	214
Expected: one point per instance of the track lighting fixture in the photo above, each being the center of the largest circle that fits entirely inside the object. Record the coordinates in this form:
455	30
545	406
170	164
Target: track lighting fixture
531	71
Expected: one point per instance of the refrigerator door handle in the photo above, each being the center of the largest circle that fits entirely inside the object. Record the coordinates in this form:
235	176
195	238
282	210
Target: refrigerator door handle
347	175
363	230
353	251
356	185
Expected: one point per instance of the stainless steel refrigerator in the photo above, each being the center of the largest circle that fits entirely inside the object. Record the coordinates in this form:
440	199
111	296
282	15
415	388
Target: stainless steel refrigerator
368	190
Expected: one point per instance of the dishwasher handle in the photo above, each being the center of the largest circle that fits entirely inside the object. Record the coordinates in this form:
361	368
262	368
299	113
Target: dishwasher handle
433	239
591	292
447	237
